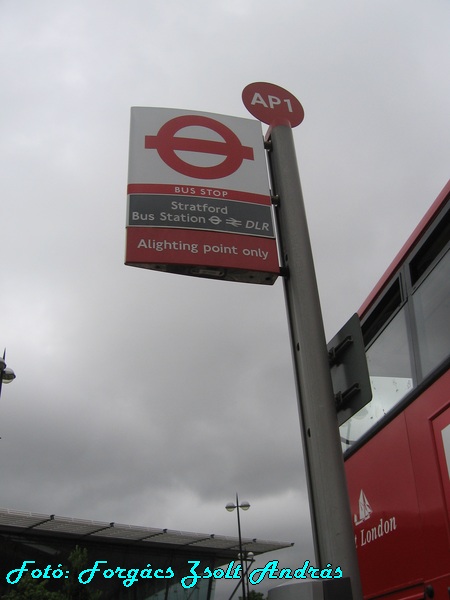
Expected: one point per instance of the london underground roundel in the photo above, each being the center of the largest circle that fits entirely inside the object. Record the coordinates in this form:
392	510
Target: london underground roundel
166	142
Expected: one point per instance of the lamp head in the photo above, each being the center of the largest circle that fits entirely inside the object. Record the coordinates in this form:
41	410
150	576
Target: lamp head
8	375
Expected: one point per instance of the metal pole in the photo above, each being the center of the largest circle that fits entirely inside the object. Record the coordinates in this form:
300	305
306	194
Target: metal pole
2	369
240	548
328	496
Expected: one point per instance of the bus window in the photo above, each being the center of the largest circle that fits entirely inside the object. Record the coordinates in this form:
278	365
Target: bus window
446	440
390	372
431	302
389	363
406	330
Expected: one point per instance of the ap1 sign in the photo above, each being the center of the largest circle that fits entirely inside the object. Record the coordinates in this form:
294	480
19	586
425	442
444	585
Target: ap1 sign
272	104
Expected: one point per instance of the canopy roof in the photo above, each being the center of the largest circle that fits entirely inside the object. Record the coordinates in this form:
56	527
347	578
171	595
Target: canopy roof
13	520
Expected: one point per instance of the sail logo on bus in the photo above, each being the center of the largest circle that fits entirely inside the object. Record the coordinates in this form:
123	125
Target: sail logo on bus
365	509
369	533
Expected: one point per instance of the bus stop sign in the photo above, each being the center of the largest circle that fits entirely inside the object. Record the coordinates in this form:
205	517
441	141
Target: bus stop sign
198	197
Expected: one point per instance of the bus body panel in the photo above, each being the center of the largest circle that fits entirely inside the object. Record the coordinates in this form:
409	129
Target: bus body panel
399	488
398	460
426	418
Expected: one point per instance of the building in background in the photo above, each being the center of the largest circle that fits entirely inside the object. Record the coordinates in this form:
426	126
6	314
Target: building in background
50	540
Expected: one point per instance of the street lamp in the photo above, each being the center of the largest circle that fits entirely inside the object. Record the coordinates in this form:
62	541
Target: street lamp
244	506
6	374
250	557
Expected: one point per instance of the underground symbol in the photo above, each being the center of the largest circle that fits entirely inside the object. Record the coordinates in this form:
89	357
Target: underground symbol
166	144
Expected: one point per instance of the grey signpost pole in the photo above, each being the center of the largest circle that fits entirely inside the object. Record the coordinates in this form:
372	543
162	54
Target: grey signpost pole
330	508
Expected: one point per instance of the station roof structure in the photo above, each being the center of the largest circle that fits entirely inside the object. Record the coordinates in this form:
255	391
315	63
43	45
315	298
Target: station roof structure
52	525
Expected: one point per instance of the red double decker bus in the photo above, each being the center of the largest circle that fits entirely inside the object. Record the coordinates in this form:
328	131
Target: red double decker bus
397	448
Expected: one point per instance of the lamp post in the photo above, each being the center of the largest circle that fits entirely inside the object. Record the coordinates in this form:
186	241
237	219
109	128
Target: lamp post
249	556
244	506
6	374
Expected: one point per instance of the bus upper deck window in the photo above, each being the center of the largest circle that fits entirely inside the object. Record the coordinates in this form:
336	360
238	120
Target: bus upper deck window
431	302
390	367
388	351
430	280
406	324
389	361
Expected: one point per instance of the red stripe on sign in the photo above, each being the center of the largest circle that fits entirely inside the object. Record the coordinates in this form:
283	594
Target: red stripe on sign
192	145
201	248
197	191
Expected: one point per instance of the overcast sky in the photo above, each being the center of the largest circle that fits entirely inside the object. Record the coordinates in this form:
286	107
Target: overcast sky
148	398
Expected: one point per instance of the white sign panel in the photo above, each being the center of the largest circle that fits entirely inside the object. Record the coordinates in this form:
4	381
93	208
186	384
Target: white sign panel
198	196
180	147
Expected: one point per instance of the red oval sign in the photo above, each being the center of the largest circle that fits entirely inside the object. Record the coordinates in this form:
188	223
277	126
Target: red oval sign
166	143
272	104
